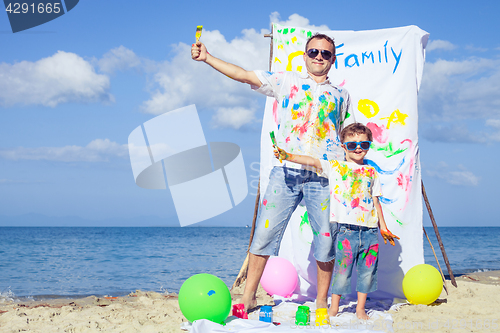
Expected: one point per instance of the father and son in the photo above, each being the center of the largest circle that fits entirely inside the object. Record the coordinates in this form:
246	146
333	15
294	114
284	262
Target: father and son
312	113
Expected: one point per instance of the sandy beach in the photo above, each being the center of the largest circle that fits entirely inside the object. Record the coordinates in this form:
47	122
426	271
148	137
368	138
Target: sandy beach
472	307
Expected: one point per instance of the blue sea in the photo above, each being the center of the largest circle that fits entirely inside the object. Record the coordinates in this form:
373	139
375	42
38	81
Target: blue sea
54	262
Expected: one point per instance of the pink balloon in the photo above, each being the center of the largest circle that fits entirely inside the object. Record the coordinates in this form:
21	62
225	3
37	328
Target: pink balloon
279	277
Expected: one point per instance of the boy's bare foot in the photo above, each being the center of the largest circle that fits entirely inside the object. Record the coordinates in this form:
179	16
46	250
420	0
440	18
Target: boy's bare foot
361	314
334	308
332	311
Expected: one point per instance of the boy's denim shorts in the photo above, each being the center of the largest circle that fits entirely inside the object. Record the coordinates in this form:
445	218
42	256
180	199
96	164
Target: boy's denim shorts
286	189
356	244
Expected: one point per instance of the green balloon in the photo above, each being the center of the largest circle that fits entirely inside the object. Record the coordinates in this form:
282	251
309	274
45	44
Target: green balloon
205	296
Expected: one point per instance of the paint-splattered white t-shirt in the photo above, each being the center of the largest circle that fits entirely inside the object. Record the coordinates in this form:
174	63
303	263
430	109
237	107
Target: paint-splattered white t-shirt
309	116
352	188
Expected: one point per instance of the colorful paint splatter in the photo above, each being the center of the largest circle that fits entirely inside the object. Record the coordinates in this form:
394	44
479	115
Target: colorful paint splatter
307	114
370	255
353	187
345	260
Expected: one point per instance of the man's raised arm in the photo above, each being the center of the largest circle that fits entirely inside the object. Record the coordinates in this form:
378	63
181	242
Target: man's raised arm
199	53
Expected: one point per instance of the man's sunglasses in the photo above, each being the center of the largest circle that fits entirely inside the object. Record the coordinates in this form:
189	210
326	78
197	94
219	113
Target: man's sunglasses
313	53
352	145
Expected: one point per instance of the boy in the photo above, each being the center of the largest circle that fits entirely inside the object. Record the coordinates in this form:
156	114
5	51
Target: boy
354	205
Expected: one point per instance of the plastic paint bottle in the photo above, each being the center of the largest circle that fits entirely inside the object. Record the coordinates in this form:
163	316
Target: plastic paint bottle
322	317
302	316
266	314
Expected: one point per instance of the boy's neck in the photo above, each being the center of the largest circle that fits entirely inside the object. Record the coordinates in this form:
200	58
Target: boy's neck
362	162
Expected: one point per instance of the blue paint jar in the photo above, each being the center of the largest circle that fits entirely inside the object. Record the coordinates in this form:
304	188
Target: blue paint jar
266	313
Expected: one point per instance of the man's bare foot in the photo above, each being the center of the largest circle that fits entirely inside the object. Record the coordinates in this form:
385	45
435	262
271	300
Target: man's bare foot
361	314
249	303
322	303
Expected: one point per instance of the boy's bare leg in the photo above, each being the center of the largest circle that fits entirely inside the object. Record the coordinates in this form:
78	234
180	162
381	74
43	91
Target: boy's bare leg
325	270
334	308
360	308
256	265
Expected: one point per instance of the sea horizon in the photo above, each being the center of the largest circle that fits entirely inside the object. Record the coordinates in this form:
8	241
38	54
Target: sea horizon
66	262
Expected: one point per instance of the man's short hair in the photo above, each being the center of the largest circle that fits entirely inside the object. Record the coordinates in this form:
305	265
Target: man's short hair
356	128
321	36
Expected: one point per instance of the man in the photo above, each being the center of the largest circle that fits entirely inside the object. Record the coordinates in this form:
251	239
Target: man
310	113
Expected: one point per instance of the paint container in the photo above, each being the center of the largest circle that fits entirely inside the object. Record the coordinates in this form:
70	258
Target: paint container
239	311
302	316
322	317
266	314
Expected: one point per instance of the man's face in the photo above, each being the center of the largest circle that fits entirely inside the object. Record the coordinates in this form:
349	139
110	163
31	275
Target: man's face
358	154
318	66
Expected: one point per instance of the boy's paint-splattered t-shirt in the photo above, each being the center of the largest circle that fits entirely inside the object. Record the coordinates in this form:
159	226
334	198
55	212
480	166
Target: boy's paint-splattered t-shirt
352	188
308	115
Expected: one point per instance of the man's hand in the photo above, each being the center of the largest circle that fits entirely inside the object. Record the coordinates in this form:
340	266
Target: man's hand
388	236
280	154
199	51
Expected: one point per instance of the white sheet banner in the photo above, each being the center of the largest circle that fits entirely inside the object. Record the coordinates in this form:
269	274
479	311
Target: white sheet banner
382	70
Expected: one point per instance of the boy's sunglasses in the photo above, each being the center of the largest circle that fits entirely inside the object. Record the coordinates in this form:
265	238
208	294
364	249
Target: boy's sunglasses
352	145
313	53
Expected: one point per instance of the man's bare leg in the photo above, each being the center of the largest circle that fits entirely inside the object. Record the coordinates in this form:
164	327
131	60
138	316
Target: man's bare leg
360	308
256	265
325	270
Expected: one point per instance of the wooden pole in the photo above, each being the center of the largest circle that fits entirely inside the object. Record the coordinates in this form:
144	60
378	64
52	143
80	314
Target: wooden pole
242	275
271	52
437	261
255	213
438	236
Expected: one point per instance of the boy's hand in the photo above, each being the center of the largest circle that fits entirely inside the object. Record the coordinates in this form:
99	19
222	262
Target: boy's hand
199	51
388	236
280	154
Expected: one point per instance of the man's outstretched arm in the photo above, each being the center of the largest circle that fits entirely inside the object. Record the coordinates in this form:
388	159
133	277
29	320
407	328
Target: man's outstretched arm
199	53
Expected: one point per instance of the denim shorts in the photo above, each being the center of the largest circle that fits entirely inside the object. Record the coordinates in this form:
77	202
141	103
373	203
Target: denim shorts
287	187
356	244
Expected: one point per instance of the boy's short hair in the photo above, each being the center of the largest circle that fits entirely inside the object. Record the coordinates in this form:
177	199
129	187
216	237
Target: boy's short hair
356	128
321	36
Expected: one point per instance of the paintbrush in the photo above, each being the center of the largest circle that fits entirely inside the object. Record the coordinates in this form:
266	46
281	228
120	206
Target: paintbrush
273	139
198	32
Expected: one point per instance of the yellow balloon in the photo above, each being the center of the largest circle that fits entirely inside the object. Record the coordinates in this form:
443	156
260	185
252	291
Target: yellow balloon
422	284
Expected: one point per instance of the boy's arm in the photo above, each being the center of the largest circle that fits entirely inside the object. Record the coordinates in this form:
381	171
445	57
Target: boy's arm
386	234
199	53
301	159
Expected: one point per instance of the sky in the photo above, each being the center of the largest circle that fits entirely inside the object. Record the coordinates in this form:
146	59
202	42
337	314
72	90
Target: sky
73	89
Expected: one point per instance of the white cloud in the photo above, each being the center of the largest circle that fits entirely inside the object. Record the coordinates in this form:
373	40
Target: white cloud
61	78
452	133
473	48
7	181
233	117
459	132
297	21
458	98
439	44
10	181
119	58
96	151
495	125
182	81
460	177
467	89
